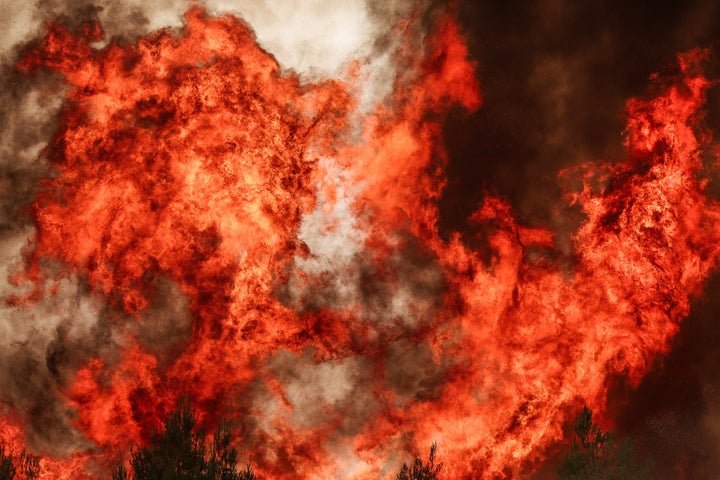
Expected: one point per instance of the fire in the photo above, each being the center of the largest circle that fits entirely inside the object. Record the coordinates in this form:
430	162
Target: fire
291	232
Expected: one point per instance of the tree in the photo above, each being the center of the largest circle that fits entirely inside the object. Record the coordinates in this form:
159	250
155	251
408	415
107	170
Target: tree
420	471
598	455
18	467
180	452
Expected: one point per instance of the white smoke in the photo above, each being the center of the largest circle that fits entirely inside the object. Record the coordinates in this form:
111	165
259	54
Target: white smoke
315	37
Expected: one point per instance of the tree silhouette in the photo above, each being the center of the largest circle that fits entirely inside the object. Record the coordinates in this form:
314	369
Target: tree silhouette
598	455
419	470
18	467
180	452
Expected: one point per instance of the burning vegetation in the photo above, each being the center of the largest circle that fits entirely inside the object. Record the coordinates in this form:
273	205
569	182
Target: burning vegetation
209	225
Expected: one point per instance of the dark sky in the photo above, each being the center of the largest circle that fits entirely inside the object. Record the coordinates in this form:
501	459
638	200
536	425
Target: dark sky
555	77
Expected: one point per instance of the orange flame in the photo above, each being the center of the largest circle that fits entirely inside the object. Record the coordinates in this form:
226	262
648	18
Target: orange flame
193	158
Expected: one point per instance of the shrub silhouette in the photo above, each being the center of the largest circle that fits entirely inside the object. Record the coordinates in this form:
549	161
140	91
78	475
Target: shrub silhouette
598	455
18	467
420	470
180	452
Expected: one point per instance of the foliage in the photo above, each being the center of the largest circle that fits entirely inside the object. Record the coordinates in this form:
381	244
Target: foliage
598	455
420	471
180	452
18	467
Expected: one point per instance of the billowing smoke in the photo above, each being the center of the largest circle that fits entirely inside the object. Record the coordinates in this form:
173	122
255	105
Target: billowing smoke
244	203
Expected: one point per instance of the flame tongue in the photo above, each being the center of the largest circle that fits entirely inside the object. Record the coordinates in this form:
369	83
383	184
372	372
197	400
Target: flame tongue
537	340
190	161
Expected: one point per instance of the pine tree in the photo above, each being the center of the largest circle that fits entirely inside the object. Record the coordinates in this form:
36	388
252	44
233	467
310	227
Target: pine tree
419	470
598	455
180	452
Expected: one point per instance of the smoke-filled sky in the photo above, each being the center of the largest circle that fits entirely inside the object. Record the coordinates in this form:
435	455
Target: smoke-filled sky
349	227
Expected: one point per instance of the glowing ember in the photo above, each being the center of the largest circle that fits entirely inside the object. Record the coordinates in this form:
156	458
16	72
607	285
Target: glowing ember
268	247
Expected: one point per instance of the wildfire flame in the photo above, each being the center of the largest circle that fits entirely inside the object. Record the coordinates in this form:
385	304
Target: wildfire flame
268	246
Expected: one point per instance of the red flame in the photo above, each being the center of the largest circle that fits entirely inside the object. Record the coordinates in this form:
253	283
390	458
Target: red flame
193	158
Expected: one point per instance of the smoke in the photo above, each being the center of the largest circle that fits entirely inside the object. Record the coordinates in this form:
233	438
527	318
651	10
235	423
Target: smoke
39	346
556	78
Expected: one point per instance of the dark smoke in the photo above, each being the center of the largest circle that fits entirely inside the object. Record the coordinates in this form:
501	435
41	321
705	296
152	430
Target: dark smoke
555	77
